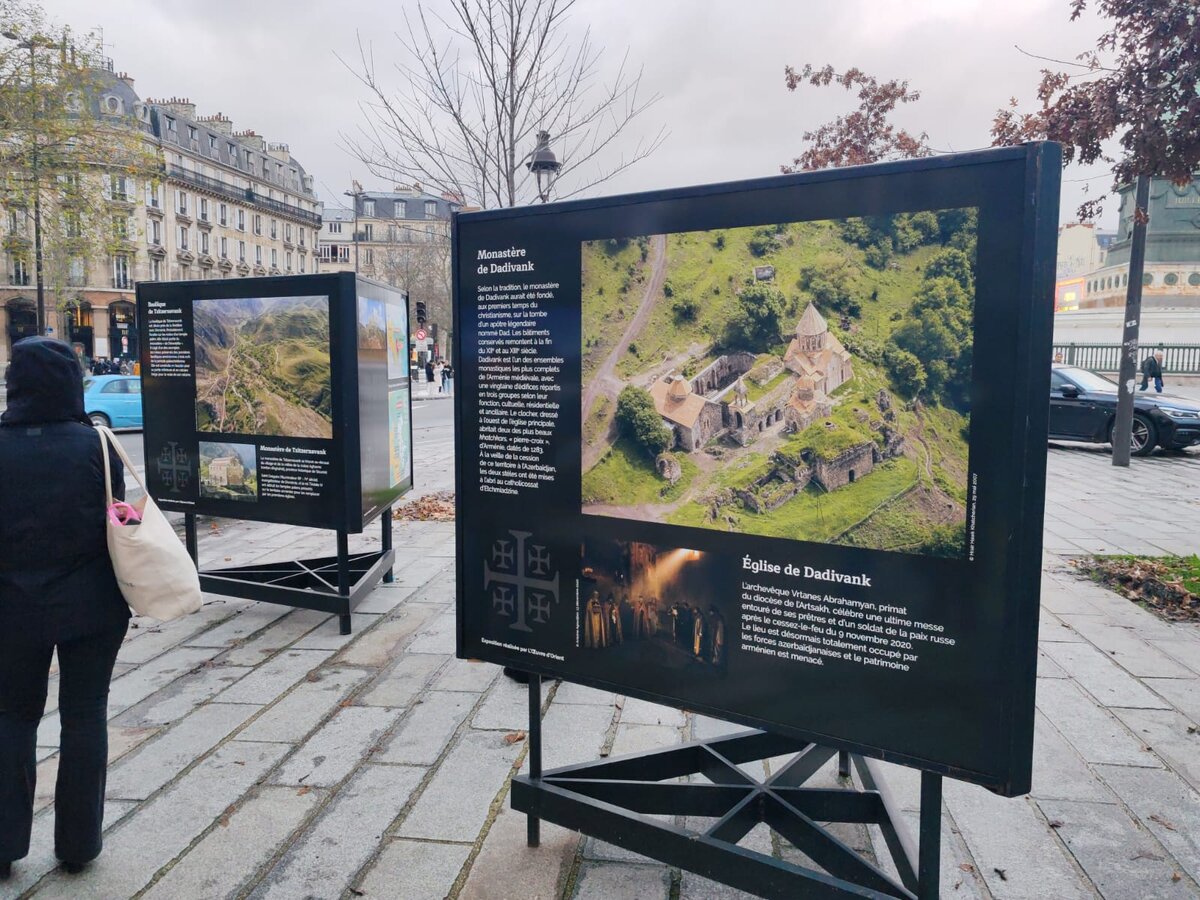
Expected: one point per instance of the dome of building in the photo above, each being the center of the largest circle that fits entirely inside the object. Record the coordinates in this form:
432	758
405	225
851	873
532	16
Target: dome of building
679	389
811	323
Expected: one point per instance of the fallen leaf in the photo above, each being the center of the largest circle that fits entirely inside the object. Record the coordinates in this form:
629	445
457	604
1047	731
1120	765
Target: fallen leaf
1056	823
1176	876
1191	729
514	737
357	893
1163	822
305	789
966	867
1001	872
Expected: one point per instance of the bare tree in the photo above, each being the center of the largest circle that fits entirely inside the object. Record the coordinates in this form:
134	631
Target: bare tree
479	82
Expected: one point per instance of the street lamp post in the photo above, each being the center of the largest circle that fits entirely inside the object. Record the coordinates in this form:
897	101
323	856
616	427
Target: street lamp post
544	165
355	195
31	44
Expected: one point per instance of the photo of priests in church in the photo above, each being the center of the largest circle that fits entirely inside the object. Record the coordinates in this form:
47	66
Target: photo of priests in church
652	604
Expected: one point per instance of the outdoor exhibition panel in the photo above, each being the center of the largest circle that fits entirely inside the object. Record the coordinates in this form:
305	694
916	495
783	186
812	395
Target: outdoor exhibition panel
771	450
283	399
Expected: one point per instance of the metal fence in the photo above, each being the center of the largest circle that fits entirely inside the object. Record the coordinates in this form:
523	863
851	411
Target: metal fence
1178	359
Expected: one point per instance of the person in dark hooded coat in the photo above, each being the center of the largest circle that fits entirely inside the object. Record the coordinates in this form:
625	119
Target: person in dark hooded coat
57	592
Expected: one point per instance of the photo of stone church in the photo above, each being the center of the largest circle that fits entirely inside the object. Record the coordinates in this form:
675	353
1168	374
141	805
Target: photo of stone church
805	380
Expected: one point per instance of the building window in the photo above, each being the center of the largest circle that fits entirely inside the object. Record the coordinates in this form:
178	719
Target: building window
258	254
431	209
287	260
121	276
368	232
156	232
119	188
155	269
287	231
76	272
223	214
231	148
120	228
274	257
257	224
185	272
193	134
203	209
1194	279
401	209
212	142
335	227
249	162
369	256
204	242
171	124
18	270
184	237
302	263
274	229
302	237
224	248
181	202
154	196
368	208
15	222
1171	278
430	234
241	220
1147	279
241	251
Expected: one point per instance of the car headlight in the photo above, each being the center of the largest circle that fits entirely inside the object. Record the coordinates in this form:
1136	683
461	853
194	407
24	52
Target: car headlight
1180	413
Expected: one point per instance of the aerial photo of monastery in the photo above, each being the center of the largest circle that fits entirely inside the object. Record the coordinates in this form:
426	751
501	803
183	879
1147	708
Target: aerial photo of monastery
806	380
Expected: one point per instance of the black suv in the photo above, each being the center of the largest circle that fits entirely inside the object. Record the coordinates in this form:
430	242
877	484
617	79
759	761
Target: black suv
1083	406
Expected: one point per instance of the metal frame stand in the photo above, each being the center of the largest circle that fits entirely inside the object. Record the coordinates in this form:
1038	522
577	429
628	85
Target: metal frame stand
332	584
612	800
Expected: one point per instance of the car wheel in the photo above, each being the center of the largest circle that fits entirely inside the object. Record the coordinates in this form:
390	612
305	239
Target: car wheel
1143	436
100	419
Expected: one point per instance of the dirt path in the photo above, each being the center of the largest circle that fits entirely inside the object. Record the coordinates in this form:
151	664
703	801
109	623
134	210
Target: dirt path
604	381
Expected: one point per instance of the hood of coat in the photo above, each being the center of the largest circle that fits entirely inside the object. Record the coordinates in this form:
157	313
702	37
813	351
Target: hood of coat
45	384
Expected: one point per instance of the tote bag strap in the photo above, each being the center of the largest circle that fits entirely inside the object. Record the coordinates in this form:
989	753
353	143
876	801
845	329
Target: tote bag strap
107	437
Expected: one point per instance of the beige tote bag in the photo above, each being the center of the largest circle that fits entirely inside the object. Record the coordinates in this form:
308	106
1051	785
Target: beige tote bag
154	571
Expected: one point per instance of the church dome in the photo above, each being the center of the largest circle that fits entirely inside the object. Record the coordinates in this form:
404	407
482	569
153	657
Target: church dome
812	323
679	389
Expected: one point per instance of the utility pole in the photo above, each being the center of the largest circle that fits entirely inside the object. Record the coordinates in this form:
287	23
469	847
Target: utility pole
355	194
1127	380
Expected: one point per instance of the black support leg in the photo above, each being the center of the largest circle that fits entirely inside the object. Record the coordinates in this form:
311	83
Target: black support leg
343	578
843	763
533	823
385	540
929	850
189	537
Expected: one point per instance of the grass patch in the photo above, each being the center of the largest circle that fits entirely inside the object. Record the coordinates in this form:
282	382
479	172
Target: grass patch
754	390
813	514
596	425
1166	585
626	475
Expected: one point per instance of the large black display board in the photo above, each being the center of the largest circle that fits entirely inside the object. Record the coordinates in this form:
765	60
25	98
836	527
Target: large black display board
771	450
277	399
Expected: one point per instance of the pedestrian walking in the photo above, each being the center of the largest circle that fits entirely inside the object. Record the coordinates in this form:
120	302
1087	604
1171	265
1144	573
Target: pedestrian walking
1152	368
57	593
448	379
439	376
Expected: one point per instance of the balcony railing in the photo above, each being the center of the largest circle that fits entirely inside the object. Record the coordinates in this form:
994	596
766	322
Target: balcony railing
243	195
1178	359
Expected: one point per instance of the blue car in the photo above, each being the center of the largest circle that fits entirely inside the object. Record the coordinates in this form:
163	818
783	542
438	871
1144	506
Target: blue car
113	400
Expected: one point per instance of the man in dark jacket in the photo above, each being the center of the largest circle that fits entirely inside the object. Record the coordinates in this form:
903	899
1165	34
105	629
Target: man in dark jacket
1152	368
57	592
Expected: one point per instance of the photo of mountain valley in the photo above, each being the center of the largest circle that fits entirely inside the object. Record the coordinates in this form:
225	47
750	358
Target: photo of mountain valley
806	380
262	366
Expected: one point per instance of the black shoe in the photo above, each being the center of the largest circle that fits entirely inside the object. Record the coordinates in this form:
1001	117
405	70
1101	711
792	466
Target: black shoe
516	675
5	871
73	868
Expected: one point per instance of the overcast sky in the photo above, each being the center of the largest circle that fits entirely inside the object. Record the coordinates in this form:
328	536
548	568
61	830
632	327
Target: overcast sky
272	66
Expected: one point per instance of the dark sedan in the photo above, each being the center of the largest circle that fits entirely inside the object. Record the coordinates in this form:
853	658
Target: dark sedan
1083	406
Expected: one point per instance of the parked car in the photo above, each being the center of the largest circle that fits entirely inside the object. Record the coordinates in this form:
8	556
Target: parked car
113	400
1083	407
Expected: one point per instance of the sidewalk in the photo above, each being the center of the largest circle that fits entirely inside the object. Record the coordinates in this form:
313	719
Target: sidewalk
257	753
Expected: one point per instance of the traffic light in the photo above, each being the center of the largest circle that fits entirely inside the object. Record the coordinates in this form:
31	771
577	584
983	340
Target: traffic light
421	312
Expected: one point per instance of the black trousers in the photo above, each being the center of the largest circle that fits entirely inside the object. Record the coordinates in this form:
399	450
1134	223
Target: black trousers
85	668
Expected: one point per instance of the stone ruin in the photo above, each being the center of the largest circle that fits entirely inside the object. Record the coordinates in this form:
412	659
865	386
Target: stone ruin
668	467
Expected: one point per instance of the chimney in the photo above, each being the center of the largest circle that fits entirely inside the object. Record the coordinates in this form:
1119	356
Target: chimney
179	106
124	76
219	123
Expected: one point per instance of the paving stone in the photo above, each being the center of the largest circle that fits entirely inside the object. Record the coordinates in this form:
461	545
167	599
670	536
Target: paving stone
642	712
640	738
382	643
282	633
1058	771
958	872
1139	869
182	695
705	727
572	734
1047	667
505	707
400	685
1165	806
1184	651
455	804
604	881
422	736
694	887
508	868
437	637
328	636
324	861
569	692
274	677
305	706
1007	834
153	638
420	870
28	871
384	598
1093	732
156	833
157	762
342	743
225	860
1181	693
1096	673
1166	731
466	675
246	622
1131	653
154	676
